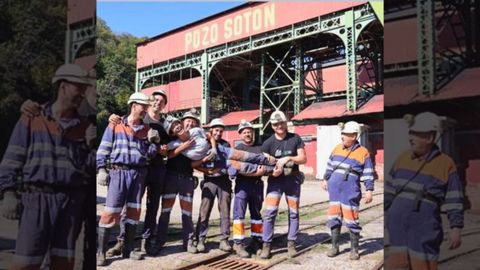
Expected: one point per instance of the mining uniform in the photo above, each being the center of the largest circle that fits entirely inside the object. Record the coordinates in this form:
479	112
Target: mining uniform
413	217
56	168
248	191
288	184
178	181
346	168
128	150
220	186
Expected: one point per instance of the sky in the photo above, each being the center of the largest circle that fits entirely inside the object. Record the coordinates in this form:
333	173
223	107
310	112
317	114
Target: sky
148	19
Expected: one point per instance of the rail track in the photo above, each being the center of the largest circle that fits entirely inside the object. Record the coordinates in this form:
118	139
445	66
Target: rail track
228	261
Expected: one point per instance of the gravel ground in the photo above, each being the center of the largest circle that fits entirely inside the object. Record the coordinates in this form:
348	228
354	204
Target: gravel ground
371	246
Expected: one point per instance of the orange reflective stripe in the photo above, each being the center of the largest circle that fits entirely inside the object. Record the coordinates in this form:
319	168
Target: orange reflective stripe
168	203
292	204
184	205
62	262
272	201
350	214
334	209
238	229
109	218
133	213
257	228
396	260
419	264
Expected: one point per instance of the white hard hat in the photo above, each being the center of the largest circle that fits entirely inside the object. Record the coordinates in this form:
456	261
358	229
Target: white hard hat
168	122
193	113
217	122
160	92
351	127
139	97
243	125
71	73
277	117
425	122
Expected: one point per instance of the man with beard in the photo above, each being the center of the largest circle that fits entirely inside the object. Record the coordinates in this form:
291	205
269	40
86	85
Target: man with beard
248	191
155	181
127	146
53	152
423	179
348	164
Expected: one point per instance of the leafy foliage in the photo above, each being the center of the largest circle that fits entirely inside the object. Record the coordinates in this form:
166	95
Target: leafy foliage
32	46
116	67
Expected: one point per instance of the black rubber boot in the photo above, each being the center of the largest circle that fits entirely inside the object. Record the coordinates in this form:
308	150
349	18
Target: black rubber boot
103	235
334	250
354	238
255	246
128	250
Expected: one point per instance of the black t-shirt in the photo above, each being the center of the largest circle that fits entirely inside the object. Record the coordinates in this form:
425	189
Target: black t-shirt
164	138
252	149
282	148
179	164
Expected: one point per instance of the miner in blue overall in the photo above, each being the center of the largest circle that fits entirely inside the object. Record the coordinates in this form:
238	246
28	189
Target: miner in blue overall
287	148
53	153
348	164
423	180
155	181
127	146
248	192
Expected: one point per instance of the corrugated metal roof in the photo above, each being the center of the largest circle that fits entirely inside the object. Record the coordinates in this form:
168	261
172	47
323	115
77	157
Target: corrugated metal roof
404	90
234	118
338	108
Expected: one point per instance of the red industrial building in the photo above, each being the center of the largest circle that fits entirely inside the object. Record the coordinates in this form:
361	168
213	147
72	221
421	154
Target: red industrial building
320	62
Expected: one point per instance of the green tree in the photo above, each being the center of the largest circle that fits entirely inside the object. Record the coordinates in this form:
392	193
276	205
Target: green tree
32	46
116	67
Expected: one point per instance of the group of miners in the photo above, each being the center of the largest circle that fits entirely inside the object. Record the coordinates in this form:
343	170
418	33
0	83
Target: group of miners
53	155
145	150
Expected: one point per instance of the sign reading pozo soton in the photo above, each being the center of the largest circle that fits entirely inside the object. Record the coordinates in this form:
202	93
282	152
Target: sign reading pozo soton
234	26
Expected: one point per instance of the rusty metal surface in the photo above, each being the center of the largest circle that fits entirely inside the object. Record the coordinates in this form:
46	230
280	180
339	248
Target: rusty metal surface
232	263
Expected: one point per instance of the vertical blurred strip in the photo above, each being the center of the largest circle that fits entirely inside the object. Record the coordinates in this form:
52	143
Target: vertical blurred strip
432	64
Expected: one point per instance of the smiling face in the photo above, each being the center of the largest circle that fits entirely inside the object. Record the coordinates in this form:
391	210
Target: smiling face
280	128
158	103
139	110
72	94
189	123
217	132
247	135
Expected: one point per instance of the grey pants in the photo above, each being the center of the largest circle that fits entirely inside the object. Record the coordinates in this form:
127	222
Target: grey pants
220	187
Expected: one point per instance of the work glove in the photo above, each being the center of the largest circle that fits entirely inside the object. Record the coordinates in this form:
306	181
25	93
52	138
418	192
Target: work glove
11	206
102	177
212	154
153	136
